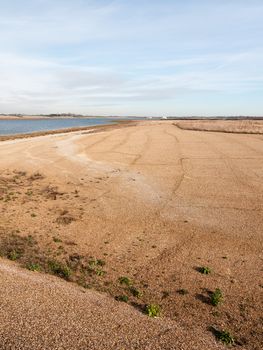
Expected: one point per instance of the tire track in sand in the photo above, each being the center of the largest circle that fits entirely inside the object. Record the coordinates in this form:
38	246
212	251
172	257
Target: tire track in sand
179	180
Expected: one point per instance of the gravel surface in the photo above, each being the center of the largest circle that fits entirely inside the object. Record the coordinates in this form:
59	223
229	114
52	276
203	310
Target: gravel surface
38	311
156	203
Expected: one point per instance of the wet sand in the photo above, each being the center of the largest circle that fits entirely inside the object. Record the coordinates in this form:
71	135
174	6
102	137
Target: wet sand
156	203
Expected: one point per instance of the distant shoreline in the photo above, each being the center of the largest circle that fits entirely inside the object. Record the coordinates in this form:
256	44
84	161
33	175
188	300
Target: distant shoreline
94	128
41	117
44	117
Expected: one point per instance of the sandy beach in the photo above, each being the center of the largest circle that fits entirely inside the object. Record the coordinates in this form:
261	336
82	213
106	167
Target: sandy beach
136	211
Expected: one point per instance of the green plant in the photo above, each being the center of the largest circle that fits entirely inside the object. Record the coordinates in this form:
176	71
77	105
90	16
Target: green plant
101	262
59	269
93	266
125	280
135	292
96	262
123	298
153	310
33	267
33	215
13	255
205	270
216	297
225	337
100	272
83	284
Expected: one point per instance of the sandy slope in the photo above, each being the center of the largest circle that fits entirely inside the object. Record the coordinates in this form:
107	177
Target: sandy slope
42	312
157	202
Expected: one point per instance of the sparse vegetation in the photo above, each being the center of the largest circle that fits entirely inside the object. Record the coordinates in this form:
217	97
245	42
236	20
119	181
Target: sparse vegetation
100	272
123	298
95	265
216	297
96	262
59	269
50	248
101	262
153	310
14	255
16	247
33	267
83	284
125	280
225	337
205	270
135	292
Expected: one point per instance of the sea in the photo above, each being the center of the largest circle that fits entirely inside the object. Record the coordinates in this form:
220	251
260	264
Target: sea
24	126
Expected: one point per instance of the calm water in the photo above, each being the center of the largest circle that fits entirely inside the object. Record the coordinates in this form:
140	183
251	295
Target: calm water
10	127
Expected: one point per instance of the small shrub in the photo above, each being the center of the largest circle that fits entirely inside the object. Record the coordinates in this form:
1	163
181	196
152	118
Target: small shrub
33	267
100	272
59	269
84	284
153	310
13	255
96	262
123	298
204	270
94	267
125	280
101	262
216	297
225	337
135	292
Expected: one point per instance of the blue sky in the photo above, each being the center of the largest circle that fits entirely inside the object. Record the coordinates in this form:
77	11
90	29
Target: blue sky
191	57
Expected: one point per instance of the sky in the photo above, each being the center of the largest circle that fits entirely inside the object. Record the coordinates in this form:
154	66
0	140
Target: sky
132	57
